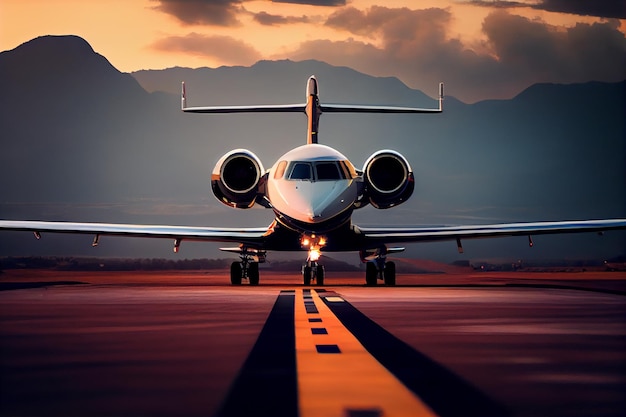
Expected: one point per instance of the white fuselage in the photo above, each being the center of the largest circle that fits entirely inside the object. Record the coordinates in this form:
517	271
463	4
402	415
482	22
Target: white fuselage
312	184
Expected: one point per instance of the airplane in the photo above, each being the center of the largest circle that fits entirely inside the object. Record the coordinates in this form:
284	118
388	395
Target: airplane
313	191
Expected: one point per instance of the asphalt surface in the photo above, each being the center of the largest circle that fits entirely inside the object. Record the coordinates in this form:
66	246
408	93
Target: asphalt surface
186	344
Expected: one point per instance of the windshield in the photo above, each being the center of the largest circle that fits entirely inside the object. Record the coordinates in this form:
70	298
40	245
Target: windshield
316	171
301	171
327	171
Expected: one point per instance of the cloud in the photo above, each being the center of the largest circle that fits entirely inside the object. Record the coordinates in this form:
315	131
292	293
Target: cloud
599	8
333	3
203	12
222	48
267	19
414	45
540	52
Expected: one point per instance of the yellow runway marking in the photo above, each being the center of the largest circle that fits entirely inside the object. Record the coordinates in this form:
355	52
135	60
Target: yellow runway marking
337	377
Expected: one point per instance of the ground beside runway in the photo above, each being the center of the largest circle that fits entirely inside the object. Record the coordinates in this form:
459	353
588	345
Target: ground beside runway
176	343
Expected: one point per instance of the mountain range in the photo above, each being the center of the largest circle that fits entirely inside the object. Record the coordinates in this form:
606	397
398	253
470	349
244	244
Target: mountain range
83	141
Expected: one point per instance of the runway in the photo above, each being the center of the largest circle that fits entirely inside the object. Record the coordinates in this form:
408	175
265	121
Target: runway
171	344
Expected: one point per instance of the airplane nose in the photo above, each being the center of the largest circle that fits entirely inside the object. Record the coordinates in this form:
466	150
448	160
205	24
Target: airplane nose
314	202
325	201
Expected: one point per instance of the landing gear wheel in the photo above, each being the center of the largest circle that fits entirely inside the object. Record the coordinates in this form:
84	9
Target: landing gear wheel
235	273
371	274
306	274
389	274
253	273
319	275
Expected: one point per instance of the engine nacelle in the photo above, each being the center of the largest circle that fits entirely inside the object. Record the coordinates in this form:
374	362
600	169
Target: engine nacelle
236	178
389	180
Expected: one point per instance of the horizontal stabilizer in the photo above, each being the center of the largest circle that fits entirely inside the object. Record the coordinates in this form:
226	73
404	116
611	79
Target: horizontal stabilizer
301	107
264	108
284	108
354	108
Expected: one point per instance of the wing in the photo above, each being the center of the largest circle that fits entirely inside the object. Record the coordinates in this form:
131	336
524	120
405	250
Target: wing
438	233
253	237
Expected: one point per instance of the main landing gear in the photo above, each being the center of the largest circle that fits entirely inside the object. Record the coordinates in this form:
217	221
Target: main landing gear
374	272
248	268
378	268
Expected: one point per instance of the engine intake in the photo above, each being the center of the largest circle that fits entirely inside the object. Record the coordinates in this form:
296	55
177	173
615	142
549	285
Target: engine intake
389	179
236	178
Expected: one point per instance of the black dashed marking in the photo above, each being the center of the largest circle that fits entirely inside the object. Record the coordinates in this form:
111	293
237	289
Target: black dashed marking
327	349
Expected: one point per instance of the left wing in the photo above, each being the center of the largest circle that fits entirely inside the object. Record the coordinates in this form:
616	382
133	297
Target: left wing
378	235
247	236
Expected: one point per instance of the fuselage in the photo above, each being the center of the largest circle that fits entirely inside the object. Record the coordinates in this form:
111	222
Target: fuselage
313	189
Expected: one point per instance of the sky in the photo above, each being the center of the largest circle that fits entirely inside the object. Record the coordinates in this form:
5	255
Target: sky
482	49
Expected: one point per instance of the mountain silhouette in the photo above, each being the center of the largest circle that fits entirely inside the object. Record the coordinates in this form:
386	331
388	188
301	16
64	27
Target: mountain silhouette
83	141
267	82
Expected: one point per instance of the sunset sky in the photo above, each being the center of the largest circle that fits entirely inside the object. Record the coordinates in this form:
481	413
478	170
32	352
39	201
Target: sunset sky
481	49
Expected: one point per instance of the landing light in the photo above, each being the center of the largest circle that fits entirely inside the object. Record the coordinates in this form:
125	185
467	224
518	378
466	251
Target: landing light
314	255
313	241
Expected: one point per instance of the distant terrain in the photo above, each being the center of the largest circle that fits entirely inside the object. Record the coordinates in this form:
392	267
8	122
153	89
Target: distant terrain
404	265
83	141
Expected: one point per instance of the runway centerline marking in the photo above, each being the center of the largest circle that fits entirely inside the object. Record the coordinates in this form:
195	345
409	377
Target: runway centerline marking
337	376
446	393
317	355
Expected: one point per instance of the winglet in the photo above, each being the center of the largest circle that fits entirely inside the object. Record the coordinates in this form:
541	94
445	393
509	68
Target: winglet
183	97
441	96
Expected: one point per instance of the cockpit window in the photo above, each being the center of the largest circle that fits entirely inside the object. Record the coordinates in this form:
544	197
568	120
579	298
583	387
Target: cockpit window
348	169
301	171
327	171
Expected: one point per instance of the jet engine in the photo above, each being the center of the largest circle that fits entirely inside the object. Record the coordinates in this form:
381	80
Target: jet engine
389	180
237	177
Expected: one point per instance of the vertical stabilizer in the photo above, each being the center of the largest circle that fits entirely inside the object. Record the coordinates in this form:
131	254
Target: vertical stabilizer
312	110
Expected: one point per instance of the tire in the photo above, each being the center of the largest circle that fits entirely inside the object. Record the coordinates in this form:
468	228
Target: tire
253	273
371	274
235	273
319	276
390	274
306	274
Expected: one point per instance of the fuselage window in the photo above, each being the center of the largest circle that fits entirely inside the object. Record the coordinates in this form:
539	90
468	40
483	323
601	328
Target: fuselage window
301	171
327	171
280	169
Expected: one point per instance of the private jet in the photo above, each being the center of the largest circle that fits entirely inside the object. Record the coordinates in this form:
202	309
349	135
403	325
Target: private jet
313	191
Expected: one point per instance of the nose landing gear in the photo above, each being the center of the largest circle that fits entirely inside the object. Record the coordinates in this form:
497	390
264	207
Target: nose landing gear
312	269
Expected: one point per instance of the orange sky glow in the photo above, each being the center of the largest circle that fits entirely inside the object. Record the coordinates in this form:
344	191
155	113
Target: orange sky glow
143	34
